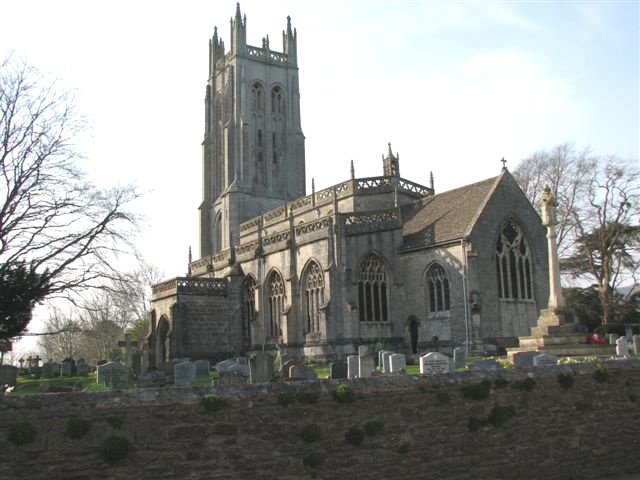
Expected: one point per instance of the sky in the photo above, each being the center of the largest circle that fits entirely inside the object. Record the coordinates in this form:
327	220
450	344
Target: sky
453	86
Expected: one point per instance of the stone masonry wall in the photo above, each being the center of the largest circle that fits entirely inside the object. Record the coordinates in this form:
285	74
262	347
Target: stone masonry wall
587	431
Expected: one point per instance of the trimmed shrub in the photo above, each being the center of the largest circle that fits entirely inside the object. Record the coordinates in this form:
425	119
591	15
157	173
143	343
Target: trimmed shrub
354	436
77	427
343	393
212	402
114	449
477	391
565	380
22	433
373	428
311	433
601	373
501	415
313	460
527	384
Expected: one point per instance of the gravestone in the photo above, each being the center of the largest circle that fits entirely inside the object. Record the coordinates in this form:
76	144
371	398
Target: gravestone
338	370
613	338
261	367
154	379
65	369
489	364
380	362
56	369
239	369
458	358
224	365
622	347
8	375
385	361
310	373
397	363
82	368
47	370
296	372
113	375
363	350
366	365
184	374
144	359
544	359
286	367
284	358
636	344
202	368
524	359
242	361
628	332
434	363
352	366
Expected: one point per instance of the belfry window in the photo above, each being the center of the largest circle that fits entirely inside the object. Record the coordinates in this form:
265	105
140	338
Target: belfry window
373	302
257	97
513	264
313	284
276	293
437	290
277	101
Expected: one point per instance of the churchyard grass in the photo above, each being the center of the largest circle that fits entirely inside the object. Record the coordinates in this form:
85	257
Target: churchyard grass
30	386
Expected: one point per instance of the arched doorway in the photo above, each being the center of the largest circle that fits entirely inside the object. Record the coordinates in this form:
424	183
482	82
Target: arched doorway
413	334
162	345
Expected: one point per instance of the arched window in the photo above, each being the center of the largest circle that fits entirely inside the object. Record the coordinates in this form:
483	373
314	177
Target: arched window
373	302
276	293
513	263
437	290
249	302
277	101
257	98
218	235
313	290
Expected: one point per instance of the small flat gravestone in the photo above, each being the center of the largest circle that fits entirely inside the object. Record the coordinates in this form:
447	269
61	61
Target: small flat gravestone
338	370
261	365
488	364
352	366
184	374
366	365
397	363
434	363
622	347
544	359
524	359
458	358
202	368
113	375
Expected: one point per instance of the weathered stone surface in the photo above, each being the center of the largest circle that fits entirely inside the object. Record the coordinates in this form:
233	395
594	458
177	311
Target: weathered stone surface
434	363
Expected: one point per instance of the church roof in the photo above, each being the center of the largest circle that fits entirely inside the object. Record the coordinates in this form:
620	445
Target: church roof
445	217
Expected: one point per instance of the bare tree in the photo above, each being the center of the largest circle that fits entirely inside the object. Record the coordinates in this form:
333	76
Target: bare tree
63	334
103	324
57	225
566	172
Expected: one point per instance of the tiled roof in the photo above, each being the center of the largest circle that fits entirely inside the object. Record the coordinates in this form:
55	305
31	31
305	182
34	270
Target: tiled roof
446	216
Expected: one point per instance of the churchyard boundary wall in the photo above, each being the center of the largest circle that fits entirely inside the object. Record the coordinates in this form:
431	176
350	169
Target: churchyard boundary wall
573	421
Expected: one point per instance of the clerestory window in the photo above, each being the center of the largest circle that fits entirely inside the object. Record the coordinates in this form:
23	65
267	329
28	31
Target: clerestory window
438	298
373	301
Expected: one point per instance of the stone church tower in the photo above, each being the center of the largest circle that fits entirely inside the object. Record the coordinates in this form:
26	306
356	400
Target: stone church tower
253	148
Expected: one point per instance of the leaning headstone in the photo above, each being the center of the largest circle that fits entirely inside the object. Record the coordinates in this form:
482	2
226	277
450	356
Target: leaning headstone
489	364
352	366
622	347
397	363
65	369
366	365
636	344
338	370
458	358
8	375
380	362
224	365
47	370
261	365
113	375
202	368
544	359
385	361
184	374
524	359
82	368
434	363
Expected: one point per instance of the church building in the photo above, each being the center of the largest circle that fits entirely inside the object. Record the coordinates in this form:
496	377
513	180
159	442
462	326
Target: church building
380	261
